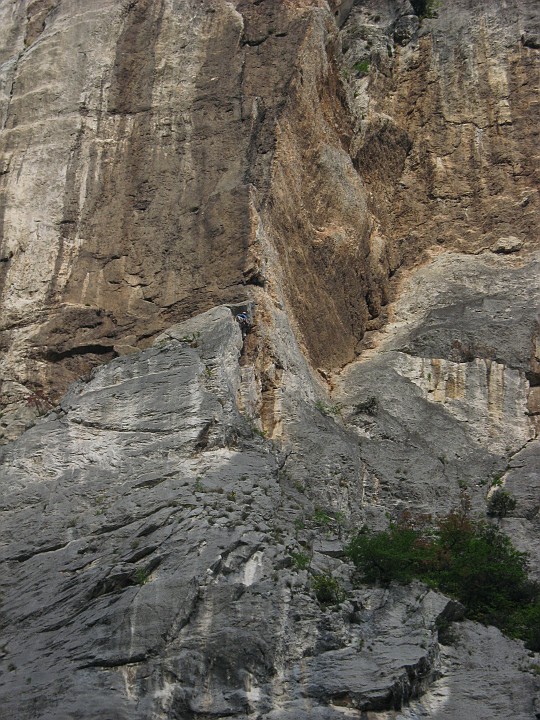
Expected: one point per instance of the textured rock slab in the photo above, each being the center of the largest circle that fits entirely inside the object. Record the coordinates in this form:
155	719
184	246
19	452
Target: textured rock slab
449	380
143	525
153	536
522	481
478	680
114	534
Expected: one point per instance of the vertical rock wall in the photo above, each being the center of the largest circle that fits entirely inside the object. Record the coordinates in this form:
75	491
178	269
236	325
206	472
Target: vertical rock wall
448	140
140	181
124	203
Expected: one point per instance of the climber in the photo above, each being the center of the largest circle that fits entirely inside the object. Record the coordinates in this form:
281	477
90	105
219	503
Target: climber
243	320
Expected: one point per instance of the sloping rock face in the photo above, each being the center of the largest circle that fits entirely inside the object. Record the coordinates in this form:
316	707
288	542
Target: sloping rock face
361	178
150	543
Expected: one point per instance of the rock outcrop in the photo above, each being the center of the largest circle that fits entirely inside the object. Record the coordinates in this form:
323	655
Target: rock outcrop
361	178
140	185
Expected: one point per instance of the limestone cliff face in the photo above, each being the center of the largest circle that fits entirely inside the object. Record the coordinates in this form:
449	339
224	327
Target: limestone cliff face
148	543
363	178
134	169
125	204
141	184
449	138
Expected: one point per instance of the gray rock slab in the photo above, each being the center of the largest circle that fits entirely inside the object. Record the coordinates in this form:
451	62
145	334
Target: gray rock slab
151	542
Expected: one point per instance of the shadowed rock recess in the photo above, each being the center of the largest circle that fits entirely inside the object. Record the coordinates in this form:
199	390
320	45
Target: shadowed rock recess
362	179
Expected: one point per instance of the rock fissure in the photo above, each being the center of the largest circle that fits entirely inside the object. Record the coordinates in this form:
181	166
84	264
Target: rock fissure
147	530
56	355
117	662
118	428
11	90
30	554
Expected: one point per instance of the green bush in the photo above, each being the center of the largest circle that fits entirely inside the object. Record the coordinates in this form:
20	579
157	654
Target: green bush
500	503
465	558
362	67
527	625
141	576
321	517
426	8
386	556
300	560
328	590
328	410
369	406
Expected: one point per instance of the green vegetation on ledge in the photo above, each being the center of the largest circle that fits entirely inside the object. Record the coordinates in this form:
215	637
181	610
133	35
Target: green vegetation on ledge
468	559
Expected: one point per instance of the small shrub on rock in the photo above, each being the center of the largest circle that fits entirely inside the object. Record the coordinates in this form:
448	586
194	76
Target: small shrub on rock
426	8
367	407
300	560
321	517
328	410
328	590
361	67
141	576
500	503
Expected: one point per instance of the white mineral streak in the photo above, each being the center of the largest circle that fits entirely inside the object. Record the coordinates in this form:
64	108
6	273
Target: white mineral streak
488	396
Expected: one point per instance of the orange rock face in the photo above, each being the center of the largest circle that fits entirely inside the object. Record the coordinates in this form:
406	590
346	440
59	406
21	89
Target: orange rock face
154	164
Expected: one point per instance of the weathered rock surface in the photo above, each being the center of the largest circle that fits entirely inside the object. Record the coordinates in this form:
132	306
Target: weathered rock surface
451	378
141	184
362	179
448	141
152	533
477	653
158	580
